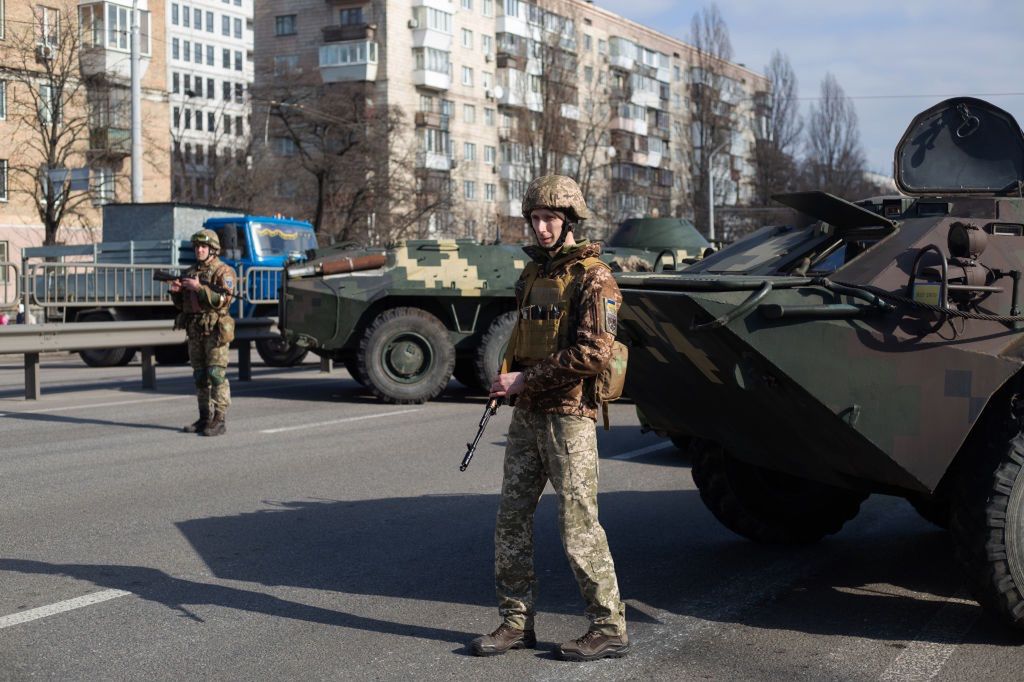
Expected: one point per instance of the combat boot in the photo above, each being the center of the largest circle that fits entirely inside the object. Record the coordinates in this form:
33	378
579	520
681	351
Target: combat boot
199	425
216	425
593	646
503	639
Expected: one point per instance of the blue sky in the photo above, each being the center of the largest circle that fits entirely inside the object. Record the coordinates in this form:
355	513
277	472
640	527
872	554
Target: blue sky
880	51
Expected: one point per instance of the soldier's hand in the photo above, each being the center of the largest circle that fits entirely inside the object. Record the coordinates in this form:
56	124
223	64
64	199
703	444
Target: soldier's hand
508	384
174	285
190	284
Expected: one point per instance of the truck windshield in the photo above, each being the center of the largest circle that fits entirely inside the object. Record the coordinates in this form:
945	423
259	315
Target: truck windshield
276	239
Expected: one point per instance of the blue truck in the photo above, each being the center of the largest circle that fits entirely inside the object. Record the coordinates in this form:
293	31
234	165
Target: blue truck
112	280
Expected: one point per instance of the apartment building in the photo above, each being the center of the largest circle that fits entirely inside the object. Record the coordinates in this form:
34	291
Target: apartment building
209	73
65	117
495	92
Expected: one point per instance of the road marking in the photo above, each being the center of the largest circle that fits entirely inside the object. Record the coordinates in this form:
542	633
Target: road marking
191	396
643	451
924	658
338	421
60	607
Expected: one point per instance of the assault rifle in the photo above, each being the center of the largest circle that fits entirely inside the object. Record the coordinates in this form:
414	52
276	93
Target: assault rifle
165	276
489	410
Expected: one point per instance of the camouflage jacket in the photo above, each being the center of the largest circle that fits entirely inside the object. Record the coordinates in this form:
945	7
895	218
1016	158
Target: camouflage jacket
202	310
562	383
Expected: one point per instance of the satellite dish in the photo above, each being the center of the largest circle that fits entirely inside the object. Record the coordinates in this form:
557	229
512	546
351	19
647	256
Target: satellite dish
611	152
498	92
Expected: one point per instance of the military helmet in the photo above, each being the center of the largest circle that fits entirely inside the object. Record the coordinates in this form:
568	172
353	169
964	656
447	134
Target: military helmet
558	193
208	237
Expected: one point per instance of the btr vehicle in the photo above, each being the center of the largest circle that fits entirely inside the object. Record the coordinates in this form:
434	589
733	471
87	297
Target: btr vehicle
112	280
653	244
876	350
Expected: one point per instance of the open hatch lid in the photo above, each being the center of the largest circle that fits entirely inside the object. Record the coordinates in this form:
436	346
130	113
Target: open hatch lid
963	145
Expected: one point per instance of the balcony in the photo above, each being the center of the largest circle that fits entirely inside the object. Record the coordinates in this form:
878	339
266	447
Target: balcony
434	80
633	125
429	119
433	161
110	142
339	33
344	62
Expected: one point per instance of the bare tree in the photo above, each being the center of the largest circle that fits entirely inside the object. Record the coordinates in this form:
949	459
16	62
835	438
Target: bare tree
713	100
49	113
834	159
777	139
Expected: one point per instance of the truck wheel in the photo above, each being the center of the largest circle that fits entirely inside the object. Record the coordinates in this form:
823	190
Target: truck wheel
280	353
492	348
352	365
406	356
104	357
987	524
769	506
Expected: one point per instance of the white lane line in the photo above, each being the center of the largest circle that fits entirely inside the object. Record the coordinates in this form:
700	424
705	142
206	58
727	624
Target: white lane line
60	607
190	396
338	421
924	658
643	451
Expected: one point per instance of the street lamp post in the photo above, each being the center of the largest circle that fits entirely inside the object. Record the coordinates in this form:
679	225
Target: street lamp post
136	97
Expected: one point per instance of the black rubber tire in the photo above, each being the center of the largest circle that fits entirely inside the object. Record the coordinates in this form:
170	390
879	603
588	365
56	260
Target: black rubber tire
933	509
769	506
280	353
171	355
987	527
406	356
352	365
492	348
684	444
466	374
104	357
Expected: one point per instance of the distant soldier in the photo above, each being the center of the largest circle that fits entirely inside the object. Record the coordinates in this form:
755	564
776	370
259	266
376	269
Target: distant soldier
203	295
568	304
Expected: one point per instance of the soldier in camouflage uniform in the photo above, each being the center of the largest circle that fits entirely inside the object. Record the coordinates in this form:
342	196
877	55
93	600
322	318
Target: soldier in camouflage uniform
568	304
203	295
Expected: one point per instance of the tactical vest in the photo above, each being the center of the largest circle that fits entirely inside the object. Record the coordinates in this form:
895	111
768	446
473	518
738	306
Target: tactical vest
542	328
196	320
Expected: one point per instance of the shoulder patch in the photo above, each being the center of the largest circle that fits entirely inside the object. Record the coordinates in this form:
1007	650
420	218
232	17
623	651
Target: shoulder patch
611	317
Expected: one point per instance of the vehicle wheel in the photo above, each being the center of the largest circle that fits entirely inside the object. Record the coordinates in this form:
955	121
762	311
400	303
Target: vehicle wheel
492	348
352	365
171	355
104	357
769	506
280	353
465	373
987	525
406	356
931	508
684	444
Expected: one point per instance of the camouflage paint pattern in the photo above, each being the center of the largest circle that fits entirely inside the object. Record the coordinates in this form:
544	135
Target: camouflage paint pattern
209	360
823	383
562	449
643	244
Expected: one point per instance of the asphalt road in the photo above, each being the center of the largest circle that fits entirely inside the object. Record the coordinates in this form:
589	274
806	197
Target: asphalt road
331	536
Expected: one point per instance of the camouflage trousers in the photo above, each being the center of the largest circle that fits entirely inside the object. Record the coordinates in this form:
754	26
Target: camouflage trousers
209	360
562	449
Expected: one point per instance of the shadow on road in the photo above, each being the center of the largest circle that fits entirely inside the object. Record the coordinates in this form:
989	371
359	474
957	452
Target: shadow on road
879	579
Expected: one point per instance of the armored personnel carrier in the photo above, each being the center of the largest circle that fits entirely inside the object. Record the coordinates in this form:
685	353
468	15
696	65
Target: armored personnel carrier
877	350
653	244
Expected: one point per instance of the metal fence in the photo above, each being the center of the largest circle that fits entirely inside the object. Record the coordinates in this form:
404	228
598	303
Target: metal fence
10	285
259	285
89	284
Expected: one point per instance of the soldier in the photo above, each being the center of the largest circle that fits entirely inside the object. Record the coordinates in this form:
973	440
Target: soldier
203	295
568	304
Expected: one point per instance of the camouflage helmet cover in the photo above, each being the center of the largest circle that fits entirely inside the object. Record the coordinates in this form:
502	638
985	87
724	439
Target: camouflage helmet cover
208	237
556	192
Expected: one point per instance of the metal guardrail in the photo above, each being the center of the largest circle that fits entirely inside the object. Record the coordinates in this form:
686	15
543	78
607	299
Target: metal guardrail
32	339
10	284
51	285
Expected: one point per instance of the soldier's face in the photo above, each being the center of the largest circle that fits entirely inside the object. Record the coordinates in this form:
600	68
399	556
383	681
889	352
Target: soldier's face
202	252
547	226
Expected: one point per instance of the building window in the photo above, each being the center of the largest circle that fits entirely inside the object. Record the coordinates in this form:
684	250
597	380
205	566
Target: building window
199	53
490	191
174	13
175	83
199	117
188	122
209	22
225	59
210	124
283	64
467	5
186	16
3	100
486	80
467	38
447	107
102	185
176	117
238	126
238	61
226	90
487	43
489	117
4	250
186	50
490	154
3	180
225	25
469	189
351	16
426	103
175	49
238	28
285	146
198	21
199	87
210	59
49	105
227	125
239	92
430	59
284	25
49	26
469	151
467	76
469	113
588	42
187	80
